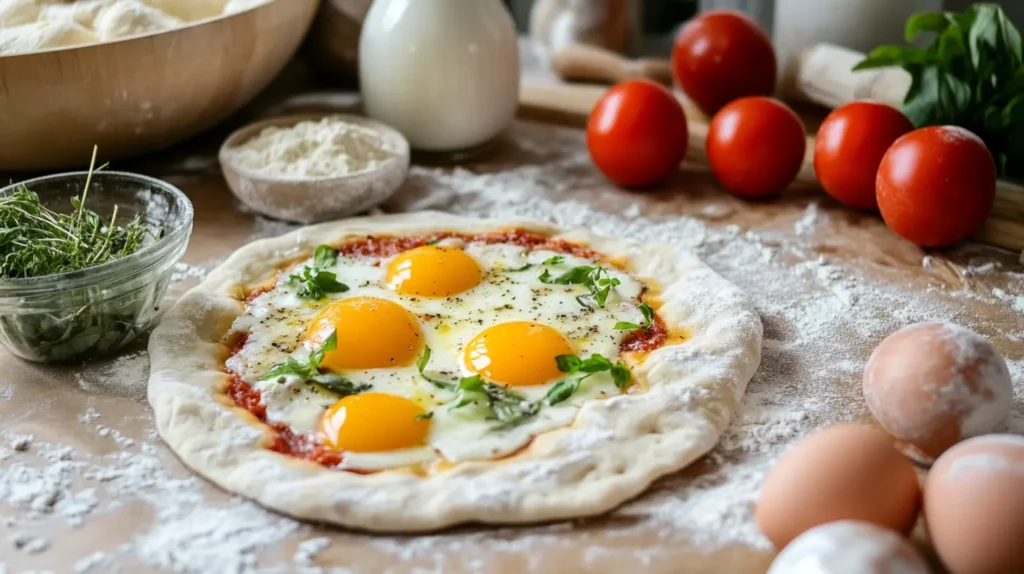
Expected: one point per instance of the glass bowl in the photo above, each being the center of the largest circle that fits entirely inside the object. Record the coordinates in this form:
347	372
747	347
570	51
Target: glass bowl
69	317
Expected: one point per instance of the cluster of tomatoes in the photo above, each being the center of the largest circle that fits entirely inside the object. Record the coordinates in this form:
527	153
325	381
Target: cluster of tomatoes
934	186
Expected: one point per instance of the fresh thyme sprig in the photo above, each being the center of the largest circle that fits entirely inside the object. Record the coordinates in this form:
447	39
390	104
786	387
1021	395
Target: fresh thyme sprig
310	371
37	241
648	314
315	281
597	279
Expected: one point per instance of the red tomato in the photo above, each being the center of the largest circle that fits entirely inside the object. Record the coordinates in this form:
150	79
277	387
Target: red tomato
637	134
850	146
720	56
756	146
936	185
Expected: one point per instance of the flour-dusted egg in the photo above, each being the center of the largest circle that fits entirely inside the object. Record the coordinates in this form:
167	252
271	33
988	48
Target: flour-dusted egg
843	472
408	328
974	505
849	547
931	385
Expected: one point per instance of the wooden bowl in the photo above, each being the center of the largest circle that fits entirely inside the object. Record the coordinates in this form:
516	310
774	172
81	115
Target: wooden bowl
141	94
311	200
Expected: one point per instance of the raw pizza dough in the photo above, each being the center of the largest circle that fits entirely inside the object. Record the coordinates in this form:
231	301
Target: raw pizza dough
616	448
36	25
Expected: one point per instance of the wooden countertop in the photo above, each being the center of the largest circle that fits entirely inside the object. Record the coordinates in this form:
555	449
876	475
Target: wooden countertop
65	406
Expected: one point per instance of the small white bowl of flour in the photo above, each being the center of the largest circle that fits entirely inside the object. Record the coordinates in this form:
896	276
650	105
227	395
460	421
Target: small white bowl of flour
309	168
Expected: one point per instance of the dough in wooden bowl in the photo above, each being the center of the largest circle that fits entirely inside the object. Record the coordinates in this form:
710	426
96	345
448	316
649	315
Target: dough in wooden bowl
597	448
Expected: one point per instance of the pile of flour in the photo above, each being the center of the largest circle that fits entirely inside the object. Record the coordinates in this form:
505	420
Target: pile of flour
821	318
329	147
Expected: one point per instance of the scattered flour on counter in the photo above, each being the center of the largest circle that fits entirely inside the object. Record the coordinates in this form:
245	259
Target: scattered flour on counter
821	322
125	376
183	271
810	220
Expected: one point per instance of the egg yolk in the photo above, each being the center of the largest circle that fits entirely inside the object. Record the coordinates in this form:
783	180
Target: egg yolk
374	422
433	271
372	334
517	354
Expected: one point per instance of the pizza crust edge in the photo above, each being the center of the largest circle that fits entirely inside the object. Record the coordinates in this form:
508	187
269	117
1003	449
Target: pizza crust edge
613	452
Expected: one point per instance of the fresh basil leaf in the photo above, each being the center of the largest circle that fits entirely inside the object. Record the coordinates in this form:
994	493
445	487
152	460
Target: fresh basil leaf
568	363
626	326
421	363
886	56
474	383
621	375
289	367
925	22
595	364
545	277
648	314
328	282
562	391
324	256
424	416
339	385
329	344
575	276
554	260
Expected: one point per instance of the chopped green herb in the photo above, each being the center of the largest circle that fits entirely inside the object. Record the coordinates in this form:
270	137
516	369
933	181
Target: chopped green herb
578	370
648	314
555	260
310	371
324	256
421	366
597	279
424	416
315	281
505	406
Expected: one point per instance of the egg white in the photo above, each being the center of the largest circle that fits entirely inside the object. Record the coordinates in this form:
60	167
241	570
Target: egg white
276	322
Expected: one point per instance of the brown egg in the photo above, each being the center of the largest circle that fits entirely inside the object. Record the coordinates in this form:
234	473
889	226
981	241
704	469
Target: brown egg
844	472
974	506
849	547
931	385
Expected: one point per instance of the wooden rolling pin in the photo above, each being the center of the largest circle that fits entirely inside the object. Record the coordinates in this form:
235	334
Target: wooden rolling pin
582	63
824	75
571	105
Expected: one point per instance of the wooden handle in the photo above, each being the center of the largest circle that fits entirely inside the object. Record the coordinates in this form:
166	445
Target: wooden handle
825	76
582	63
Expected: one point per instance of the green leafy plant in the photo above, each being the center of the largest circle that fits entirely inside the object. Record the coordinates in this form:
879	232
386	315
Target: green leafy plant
597	279
314	280
648	315
310	371
971	75
578	370
36	241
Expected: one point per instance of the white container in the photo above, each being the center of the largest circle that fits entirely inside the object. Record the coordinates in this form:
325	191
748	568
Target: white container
445	73
858	24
